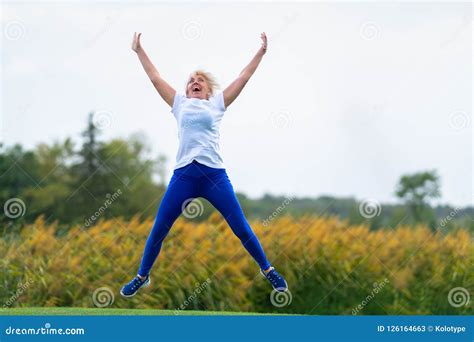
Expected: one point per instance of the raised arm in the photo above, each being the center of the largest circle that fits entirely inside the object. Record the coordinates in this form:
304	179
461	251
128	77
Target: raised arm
234	89
164	89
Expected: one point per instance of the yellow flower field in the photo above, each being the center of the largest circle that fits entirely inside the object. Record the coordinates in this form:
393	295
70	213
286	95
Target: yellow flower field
331	267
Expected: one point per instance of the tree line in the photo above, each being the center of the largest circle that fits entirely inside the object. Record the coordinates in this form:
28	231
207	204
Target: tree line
71	183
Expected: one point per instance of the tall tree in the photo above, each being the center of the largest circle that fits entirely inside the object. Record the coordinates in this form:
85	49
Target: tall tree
416	190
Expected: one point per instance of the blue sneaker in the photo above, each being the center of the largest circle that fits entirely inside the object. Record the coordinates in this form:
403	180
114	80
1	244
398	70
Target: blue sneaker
132	287
276	279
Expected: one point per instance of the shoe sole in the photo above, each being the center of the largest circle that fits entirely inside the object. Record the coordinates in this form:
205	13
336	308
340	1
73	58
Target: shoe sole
276	288
144	285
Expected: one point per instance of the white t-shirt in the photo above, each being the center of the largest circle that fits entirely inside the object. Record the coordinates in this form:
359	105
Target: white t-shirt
198	129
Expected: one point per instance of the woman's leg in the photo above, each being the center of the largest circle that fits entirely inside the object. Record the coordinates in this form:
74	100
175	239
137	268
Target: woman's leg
218	190
180	189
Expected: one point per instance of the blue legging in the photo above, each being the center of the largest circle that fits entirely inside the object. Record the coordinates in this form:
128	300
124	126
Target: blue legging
198	180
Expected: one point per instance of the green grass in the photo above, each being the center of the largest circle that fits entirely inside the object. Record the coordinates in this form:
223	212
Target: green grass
111	312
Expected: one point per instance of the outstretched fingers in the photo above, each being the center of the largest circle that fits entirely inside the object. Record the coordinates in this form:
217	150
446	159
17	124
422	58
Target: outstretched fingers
136	41
263	36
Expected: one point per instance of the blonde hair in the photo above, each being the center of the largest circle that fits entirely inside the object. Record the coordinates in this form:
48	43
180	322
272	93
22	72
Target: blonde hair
210	80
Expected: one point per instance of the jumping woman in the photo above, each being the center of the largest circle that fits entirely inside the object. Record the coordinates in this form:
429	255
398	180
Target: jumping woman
199	170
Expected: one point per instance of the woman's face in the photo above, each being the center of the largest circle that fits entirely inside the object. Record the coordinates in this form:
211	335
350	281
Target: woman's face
197	87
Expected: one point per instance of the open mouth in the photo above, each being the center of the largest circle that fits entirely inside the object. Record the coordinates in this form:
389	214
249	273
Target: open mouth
196	89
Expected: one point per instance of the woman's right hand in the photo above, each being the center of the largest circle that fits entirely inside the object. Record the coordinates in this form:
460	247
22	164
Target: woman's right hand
136	45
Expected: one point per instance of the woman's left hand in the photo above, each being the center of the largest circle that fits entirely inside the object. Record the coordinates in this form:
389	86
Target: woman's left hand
263	36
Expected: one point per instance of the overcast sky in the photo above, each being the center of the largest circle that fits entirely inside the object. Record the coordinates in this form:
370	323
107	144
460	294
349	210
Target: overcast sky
349	97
